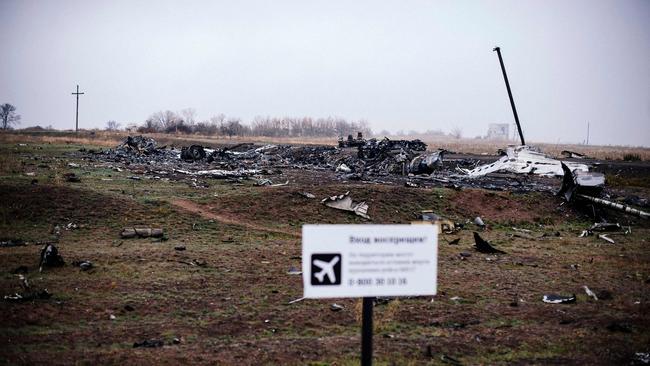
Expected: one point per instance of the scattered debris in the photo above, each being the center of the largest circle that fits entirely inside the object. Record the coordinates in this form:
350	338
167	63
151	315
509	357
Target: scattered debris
50	257
559	299
444	225
479	222
484	247
29	296
179	248
307	195
344	202
149	343
336	307
5	243
641	358
112	317
220	173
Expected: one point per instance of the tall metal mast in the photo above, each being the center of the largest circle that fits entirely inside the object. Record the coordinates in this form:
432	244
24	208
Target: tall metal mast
512	101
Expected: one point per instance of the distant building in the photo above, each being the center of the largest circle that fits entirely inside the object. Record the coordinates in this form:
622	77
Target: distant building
498	131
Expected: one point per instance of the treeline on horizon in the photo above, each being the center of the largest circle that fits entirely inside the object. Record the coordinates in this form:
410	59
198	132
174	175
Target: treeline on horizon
185	123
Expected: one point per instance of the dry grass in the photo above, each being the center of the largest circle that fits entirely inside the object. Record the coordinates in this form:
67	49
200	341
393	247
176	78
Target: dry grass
467	146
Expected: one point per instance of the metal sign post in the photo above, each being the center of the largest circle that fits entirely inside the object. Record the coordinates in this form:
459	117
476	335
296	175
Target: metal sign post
366	332
368	261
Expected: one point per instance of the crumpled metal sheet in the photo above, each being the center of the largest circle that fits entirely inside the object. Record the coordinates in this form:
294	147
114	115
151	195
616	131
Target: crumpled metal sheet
344	202
525	160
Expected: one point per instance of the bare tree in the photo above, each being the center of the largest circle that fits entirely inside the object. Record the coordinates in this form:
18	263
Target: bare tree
112	126
8	116
233	127
456	133
189	116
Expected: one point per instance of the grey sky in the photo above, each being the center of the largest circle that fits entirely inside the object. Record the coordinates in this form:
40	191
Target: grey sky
401	65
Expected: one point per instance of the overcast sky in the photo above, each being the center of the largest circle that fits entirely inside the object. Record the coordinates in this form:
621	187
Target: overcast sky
401	65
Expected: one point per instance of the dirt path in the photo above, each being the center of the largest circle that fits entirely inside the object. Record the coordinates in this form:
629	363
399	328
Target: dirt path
205	212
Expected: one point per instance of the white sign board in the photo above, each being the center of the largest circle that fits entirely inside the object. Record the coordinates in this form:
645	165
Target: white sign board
369	260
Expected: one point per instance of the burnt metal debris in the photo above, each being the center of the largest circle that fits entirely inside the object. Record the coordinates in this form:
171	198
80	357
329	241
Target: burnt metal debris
483	246
587	187
50	257
407	162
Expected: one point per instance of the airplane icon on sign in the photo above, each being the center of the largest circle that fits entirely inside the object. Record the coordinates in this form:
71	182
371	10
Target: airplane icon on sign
327	269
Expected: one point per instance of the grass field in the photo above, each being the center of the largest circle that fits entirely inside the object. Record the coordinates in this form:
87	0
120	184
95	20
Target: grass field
226	297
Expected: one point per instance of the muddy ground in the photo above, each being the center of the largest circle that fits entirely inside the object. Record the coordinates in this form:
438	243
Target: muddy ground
225	298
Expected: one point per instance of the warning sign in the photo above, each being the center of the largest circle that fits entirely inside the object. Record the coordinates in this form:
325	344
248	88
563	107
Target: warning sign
369	260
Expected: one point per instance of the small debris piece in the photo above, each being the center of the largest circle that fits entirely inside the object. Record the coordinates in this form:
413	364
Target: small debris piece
558	299
479	222
590	293
193	153
641	358
128	233
149	343
336	307
294	271
454	242
176	340
142	232
484	247
50	257
84	265
606	238
296	300
343	168
71	177
450	360
344	202
179	247
112	317
410	184
307	195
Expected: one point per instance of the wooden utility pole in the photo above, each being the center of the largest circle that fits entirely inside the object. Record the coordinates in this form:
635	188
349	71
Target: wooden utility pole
76	126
